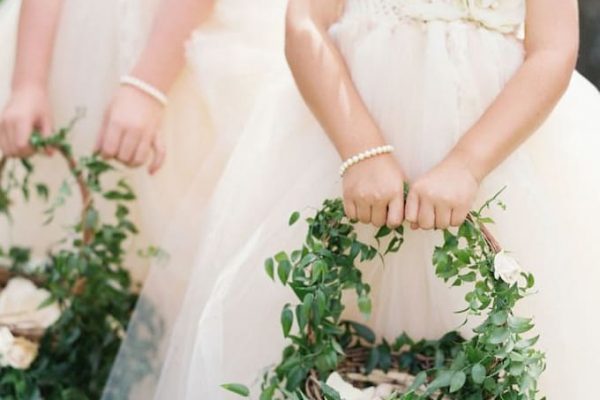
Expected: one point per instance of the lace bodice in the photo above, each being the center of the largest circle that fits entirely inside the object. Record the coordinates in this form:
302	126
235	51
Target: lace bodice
506	16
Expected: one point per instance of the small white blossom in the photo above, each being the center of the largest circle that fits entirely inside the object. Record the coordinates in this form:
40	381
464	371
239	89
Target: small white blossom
506	268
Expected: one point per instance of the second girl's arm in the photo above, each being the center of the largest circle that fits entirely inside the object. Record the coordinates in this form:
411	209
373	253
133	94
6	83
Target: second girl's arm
443	196
28	108
372	188
130	129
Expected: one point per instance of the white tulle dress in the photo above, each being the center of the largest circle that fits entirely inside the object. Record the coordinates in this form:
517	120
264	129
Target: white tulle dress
96	43
426	70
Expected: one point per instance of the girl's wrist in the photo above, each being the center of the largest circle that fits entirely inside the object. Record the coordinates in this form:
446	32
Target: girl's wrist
475	164
155	73
144	88
29	85
364	155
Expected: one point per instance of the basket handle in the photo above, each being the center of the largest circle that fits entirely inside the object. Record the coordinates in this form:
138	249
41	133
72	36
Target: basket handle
487	234
86	195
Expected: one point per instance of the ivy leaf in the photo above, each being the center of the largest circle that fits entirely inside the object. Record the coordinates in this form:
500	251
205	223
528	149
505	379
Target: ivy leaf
364	305
330	392
283	271
499	318
420	379
268	393
294	218
363	331
458	381
478	373
269	267
382	232
237	389
499	335
287	319
442	380
519	325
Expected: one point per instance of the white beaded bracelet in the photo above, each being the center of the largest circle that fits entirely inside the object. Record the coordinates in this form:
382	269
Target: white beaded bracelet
145	87
375	151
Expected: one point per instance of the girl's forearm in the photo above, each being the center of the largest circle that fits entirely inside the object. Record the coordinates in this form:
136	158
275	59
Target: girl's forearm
38	24
519	110
163	57
325	83
551	45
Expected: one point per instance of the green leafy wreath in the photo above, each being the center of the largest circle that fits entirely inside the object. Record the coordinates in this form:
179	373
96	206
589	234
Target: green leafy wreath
499	362
85	276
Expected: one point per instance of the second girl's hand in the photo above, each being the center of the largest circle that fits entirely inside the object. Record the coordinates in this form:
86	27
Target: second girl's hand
130	131
28	108
373	188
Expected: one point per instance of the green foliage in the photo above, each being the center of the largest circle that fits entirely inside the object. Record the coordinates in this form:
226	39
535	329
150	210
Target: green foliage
498	362
85	275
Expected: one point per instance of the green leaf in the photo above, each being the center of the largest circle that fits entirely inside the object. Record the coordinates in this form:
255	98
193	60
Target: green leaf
443	379
499	335
269	268
478	373
469	277
394	245
268	393
420	379
363	331
330	392
294	218
458	381
91	219
287	319
237	389
283	271
519	325
499	318
382	232
364	305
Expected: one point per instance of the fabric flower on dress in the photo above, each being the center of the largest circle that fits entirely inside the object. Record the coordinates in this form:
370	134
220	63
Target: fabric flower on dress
506	268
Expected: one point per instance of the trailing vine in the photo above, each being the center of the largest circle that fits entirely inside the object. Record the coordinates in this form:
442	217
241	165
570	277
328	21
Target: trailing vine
500	361
85	275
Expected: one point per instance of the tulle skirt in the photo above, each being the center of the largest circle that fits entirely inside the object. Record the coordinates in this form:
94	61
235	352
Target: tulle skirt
96	43
425	84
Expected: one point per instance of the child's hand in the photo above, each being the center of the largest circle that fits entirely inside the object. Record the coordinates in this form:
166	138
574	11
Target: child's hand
28	110
130	130
442	197
374	191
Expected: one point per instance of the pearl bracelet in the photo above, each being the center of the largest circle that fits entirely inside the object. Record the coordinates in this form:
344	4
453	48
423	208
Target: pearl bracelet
375	151
145	87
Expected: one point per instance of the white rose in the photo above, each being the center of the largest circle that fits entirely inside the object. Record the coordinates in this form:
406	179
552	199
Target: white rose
6	341
22	353
20	305
506	268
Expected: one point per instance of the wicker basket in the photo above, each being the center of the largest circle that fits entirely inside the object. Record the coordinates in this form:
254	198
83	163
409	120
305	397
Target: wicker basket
352	368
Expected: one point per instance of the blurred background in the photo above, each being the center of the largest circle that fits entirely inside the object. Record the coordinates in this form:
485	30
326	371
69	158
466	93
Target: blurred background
589	58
